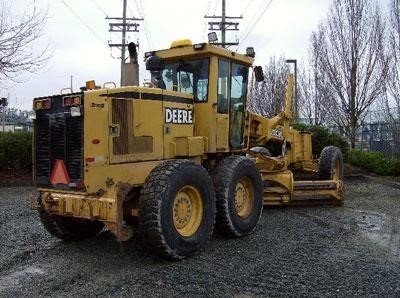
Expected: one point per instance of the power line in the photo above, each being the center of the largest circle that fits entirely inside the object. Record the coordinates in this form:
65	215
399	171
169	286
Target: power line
100	8
223	25
82	21
139	6
215	7
130	10
247	7
253	16
205	22
133	15
256	22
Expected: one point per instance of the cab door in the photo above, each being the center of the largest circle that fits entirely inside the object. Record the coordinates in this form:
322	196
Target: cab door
237	104
223	96
231	104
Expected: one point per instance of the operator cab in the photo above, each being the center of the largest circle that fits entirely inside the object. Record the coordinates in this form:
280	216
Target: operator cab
218	81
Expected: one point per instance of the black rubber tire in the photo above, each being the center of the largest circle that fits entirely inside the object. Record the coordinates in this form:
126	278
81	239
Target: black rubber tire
68	228
230	172
156	208
331	164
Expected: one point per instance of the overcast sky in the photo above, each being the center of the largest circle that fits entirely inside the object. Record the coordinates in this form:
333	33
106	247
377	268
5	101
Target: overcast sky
77	33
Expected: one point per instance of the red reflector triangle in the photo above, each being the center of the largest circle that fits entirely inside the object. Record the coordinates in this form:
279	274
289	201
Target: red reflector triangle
59	173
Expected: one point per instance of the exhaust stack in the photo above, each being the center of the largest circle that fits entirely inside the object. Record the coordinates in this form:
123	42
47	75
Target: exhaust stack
130	70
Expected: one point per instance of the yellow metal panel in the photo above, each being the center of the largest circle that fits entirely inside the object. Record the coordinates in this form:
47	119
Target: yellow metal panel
141	124
147	114
178	119
284	178
96	127
222	132
189	146
102	178
301	145
181	146
206	112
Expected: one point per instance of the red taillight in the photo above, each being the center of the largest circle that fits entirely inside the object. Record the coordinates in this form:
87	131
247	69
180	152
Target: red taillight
69	101
42	104
90	159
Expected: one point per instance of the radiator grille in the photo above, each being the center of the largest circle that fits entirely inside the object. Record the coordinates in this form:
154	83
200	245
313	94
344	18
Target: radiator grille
58	136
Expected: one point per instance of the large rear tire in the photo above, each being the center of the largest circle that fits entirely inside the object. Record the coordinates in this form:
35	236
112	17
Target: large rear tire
331	164
239	193
177	208
68	228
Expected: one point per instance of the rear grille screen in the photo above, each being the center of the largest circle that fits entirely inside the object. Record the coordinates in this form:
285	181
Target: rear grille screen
58	136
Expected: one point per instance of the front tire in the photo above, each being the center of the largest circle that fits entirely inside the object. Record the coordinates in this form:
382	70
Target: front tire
331	164
239	195
177	208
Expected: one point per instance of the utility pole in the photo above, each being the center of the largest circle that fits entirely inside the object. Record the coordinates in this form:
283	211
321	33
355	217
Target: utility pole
295	104
223	26
223	21
123	25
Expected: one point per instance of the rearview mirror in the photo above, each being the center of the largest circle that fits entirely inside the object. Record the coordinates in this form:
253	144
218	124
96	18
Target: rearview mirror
258	73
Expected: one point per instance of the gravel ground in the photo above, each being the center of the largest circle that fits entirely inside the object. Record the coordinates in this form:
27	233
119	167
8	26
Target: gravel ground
318	251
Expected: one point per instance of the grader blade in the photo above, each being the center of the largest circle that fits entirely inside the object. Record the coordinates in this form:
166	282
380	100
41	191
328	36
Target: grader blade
305	193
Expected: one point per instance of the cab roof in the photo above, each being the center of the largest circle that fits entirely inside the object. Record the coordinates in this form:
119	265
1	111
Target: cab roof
185	48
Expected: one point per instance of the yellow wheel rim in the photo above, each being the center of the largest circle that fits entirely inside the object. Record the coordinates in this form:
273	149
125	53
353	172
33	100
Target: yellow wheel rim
244	197
187	211
336	170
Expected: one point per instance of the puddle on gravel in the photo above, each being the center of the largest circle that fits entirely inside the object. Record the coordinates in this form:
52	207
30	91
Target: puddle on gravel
381	229
15	279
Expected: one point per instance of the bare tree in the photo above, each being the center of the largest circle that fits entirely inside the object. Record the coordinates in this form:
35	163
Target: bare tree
268	97
390	104
19	38
394	40
352	61
313	88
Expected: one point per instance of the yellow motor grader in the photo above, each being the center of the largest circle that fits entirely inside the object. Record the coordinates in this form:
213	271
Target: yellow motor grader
173	158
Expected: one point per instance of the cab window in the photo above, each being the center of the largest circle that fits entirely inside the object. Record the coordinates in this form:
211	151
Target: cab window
189	76
239	76
223	86
238	92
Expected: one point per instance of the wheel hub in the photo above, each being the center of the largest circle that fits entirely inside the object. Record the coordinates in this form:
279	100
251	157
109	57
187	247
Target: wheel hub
244	197
187	211
182	210
240	197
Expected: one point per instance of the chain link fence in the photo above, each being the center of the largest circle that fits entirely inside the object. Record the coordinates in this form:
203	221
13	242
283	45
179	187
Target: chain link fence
379	132
383	137
15	120
374	134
